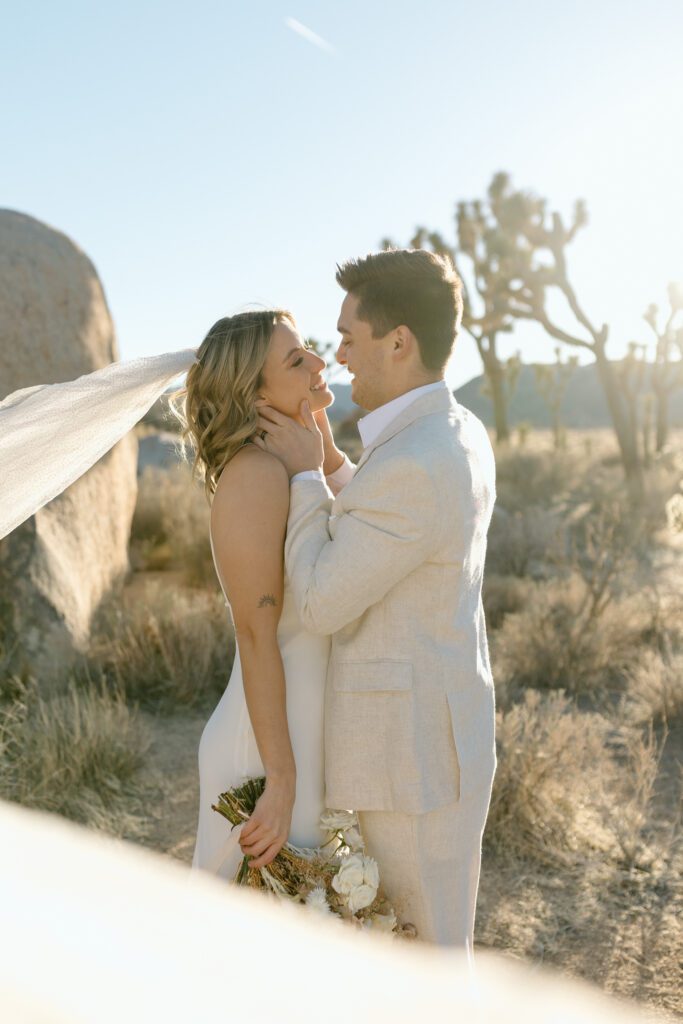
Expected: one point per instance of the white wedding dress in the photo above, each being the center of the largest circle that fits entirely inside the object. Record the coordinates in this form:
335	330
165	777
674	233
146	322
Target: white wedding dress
228	753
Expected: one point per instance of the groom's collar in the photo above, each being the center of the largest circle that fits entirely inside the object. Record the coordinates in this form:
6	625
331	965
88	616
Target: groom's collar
432	399
371	426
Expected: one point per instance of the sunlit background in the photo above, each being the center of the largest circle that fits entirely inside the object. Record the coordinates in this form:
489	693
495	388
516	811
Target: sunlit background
211	155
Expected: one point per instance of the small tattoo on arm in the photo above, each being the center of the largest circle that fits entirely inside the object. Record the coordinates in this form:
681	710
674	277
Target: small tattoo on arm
267	601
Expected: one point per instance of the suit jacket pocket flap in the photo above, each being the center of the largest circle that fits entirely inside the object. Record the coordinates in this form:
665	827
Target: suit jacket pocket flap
372	676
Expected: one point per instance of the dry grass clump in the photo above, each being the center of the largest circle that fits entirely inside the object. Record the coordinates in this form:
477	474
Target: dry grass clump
561	640
654	689
503	595
522	543
526	479
166	648
543	805
573	792
75	753
171	525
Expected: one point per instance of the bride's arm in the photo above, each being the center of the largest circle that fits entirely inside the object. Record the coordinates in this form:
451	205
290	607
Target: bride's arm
337	467
248	522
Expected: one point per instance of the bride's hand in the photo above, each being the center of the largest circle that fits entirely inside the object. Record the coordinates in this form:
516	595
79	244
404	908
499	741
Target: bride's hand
266	831
333	456
320	417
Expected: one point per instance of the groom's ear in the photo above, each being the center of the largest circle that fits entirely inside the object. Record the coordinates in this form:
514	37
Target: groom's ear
404	342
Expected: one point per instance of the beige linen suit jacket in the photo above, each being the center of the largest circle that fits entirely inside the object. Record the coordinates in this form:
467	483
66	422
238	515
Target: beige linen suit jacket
392	568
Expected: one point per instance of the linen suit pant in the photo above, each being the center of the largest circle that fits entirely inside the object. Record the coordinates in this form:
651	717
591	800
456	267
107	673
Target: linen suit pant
429	866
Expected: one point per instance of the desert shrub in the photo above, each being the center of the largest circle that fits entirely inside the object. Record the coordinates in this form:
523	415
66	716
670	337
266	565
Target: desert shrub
525	479
562	639
548	754
171	525
502	595
75	752
521	543
654	689
662	483
167	647
571	787
146	525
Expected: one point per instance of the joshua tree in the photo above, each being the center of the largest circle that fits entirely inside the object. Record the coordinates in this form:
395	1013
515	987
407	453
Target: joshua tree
534	262
480	240
667	374
632	374
500	382
552	380
648	408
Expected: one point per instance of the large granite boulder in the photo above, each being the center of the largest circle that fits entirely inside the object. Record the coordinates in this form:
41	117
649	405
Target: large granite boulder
57	567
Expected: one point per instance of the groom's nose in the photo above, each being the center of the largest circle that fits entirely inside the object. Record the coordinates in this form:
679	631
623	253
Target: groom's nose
341	355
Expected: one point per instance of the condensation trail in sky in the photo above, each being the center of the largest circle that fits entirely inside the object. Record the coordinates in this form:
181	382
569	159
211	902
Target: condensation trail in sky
308	34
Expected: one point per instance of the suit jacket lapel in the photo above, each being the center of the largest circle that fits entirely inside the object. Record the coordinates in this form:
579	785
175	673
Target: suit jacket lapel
425	405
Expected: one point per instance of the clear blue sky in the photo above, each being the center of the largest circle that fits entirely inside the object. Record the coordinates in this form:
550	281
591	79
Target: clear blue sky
208	155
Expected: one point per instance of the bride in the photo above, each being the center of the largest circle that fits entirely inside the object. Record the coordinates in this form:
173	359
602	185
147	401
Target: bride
269	720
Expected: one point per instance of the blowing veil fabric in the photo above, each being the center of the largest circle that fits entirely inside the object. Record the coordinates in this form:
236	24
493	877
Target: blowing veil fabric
51	434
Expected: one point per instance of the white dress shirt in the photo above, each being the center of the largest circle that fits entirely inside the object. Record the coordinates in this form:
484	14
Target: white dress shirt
369	428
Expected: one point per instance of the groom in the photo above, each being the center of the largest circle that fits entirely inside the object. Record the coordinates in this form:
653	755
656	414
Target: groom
392	569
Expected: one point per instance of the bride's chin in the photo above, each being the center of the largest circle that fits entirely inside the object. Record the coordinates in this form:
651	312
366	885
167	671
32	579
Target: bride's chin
321	399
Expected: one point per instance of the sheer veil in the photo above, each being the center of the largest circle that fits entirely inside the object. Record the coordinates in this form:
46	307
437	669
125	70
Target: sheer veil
50	434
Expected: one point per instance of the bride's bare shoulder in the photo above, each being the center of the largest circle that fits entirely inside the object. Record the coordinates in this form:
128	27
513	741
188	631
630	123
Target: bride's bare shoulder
251	479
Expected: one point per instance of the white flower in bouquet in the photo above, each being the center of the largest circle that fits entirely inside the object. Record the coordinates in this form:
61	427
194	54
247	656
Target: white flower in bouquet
360	898
350	874
357	880
337	821
371	872
354	839
317	900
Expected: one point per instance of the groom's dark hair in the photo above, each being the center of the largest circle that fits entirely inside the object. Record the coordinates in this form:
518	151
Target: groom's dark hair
414	287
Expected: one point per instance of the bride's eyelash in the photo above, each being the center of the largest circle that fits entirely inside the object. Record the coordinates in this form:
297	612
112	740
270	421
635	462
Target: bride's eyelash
299	361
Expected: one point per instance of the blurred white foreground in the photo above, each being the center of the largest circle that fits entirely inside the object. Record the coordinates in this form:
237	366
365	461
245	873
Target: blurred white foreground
96	930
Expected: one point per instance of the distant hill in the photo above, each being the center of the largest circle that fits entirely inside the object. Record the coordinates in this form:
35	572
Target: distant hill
583	407
343	404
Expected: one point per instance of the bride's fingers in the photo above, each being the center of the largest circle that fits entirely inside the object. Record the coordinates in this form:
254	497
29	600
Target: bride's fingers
260	834
247	828
259	847
308	418
248	840
251	830
268	855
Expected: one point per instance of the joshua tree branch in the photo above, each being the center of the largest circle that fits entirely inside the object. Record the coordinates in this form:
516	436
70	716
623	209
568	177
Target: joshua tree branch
542	317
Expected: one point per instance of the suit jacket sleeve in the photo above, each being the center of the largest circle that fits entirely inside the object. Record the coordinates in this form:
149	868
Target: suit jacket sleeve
338	480
390	526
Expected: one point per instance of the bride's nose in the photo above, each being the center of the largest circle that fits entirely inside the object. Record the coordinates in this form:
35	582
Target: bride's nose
319	361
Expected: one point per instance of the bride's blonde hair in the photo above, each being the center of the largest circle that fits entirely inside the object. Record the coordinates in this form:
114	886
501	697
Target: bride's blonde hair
216	406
